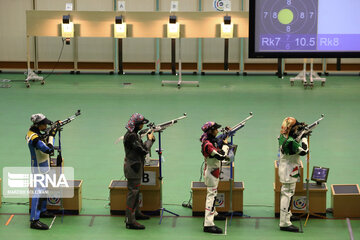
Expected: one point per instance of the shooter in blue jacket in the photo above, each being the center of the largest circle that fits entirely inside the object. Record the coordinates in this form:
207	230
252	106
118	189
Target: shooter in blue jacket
40	146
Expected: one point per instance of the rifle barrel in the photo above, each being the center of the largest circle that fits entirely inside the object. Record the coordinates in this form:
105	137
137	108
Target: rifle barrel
69	119
317	122
242	123
161	126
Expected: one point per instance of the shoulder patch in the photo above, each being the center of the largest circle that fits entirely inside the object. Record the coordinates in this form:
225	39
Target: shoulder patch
31	135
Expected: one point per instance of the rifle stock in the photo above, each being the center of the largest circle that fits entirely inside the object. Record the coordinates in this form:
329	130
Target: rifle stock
59	124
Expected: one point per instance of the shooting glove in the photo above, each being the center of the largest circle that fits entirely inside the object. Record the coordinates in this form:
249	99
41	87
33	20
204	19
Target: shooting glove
221	152
150	136
304	147
53	131
51	149
307	134
219	155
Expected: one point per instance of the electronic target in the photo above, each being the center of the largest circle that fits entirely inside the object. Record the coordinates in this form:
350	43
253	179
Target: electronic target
304	28
288	17
219	5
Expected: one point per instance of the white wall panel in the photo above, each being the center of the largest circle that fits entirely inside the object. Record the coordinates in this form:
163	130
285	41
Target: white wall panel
246	5
51	4
140	5
184	5
189	50
213	50
95	5
95	49
49	47
139	50
13	30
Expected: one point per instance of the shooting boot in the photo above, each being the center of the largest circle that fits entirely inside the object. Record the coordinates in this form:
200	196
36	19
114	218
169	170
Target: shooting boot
294	218
290	228
47	214
135	225
220	217
141	216
36	224
213	229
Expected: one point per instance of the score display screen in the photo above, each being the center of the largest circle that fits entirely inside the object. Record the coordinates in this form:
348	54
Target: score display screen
304	28
320	174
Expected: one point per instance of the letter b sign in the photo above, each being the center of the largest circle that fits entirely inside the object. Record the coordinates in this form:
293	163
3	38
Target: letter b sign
149	178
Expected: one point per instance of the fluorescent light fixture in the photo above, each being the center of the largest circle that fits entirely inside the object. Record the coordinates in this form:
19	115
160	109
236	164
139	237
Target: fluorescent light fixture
227	28
119	27
67	27
173	28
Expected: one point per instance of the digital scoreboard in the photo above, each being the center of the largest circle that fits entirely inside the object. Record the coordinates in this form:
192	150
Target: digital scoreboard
304	28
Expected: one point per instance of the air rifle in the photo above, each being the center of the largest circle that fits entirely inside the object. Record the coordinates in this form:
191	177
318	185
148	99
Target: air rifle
226	132
152	127
155	128
59	124
308	128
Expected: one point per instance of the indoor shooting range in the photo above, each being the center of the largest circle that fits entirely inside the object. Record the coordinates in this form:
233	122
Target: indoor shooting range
186	119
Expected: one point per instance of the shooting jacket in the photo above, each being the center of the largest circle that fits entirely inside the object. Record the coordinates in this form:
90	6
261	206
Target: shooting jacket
39	151
290	152
135	152
212	167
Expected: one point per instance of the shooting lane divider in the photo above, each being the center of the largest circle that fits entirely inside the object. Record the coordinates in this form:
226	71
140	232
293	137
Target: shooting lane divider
9	220
92	221
226	221
174	222
52	222
301	227
257	223
350	229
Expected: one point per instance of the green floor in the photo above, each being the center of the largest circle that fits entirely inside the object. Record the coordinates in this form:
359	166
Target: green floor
106	105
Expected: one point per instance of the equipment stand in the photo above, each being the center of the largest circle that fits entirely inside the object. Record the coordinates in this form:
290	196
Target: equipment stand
59	156
231	179
120	57
32	76
162	209
312	75
179	82
226	54
308	212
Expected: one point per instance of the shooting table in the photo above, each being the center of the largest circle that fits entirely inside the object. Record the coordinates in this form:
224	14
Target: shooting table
149	192
317	195
72	206
345	200
223	204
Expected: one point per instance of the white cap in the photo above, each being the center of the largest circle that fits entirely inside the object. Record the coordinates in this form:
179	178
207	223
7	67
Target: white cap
39	117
